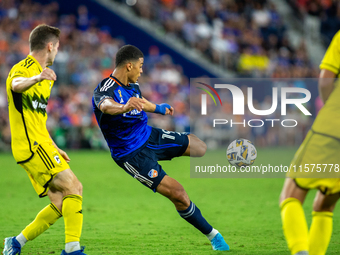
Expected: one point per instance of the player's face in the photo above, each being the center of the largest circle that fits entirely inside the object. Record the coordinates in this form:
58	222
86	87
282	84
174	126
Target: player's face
137	70
53	53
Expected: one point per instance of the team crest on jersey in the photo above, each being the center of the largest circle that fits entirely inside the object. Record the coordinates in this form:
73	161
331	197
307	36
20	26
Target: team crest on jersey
153	173
57	158
121	100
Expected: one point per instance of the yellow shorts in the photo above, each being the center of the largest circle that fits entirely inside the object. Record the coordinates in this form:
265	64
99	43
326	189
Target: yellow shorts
316	163
44	166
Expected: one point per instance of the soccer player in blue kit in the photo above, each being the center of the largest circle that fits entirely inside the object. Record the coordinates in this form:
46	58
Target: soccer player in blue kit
136	147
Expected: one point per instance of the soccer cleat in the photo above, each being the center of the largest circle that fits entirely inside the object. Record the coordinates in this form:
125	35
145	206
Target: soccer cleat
11	246
79	252
218	243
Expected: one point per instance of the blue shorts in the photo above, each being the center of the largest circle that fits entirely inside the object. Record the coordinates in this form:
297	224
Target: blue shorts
161	145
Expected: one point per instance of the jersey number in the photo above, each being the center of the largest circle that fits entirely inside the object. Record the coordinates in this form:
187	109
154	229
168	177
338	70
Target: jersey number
166	135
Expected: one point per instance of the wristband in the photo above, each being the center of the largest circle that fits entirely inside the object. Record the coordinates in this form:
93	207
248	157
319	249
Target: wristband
161	108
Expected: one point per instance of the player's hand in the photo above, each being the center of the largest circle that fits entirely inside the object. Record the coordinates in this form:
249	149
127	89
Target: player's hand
47	74
134	103
169	111
164	109
64	155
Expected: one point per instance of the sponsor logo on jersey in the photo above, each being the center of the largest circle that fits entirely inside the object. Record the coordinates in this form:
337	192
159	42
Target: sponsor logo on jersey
134	112
153	173
34	103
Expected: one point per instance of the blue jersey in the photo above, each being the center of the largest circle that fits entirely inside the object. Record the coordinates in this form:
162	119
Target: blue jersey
124	133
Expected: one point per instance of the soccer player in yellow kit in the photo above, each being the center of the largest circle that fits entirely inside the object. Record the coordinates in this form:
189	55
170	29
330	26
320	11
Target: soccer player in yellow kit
28	86
321	149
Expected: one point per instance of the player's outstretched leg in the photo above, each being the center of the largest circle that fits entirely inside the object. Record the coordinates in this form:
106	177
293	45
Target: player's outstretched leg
294	222
196	147
320	231
173	190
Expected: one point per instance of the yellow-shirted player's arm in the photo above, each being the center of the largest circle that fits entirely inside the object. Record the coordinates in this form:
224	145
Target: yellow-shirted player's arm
330	68
21	84
326	84
331	59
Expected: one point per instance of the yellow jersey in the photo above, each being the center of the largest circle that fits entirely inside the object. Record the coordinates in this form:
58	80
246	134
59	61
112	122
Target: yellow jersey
328	120
27	110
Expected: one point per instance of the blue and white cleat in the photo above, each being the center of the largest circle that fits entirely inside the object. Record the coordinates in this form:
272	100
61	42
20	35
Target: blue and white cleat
11	246
79	252
218	243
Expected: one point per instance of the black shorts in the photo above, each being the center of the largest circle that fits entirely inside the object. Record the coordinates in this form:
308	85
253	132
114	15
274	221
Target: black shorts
161	145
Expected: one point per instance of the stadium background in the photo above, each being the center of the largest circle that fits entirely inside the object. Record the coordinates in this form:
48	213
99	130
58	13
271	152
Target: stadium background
181	39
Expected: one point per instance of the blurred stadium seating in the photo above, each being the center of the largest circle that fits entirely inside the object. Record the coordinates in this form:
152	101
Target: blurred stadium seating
322	17
246	37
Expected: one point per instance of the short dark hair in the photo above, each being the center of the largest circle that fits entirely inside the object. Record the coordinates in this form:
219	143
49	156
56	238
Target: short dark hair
42	35
128	53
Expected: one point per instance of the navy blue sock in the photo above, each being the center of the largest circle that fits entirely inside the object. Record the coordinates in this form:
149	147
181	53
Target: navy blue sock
193	215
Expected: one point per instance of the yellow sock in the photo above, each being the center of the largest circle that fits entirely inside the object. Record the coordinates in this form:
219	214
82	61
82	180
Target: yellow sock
320	232
73	217
294	225
45	218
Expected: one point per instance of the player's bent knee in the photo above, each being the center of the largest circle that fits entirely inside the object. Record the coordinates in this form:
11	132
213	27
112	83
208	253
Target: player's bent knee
323	203
202	149
180	197
67	183
319	207
80	188
282	198
77	187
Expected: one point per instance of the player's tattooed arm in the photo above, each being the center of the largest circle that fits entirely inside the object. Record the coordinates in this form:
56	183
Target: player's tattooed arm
164	109
109	106
21	84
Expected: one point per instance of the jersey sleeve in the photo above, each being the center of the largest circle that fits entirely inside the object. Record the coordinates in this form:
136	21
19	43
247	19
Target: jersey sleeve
331	60
17	71
104	91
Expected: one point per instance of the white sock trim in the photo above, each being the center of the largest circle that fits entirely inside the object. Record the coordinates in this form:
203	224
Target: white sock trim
21	239
212	234
72	246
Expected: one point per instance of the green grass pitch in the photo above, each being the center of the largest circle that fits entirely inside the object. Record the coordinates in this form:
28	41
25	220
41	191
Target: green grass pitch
121	216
